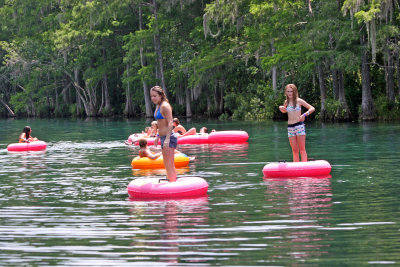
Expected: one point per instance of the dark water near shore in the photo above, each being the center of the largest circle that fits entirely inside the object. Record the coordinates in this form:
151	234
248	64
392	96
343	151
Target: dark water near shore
69	205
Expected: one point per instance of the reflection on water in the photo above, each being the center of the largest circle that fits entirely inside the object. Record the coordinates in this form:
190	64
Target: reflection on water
306	200
174	225
25	160
216	153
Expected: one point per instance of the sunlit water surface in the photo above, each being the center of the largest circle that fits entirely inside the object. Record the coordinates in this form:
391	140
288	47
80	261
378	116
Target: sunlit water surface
69	205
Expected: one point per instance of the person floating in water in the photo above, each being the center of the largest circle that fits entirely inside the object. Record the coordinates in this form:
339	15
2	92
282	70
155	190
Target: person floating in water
179	129
144	150
26	137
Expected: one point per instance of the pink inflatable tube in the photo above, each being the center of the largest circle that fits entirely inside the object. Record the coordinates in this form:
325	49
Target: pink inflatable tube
160	188
227	137
219	137
297	169
32	146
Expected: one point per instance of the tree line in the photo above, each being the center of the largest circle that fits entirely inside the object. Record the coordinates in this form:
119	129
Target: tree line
215	58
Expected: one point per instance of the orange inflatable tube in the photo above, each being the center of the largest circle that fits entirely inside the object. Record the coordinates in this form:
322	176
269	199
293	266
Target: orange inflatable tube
181	160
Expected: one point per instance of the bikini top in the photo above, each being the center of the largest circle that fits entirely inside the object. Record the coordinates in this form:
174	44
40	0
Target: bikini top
158	115
290	108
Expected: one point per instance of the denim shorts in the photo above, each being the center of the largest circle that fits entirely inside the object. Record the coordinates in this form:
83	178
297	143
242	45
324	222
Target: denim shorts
296	129
173	140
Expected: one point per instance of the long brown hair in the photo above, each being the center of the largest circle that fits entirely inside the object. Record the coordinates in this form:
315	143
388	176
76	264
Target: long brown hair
295	94
27	131
161	92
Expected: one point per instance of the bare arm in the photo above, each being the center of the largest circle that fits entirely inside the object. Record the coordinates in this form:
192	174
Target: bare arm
156	140
151	155
310	109
154	156
180	128
155	149
283	107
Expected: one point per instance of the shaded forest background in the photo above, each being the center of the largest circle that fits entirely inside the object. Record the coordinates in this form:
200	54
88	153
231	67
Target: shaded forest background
224	58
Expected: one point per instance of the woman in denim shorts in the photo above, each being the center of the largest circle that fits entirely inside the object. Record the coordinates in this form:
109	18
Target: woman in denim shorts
168	139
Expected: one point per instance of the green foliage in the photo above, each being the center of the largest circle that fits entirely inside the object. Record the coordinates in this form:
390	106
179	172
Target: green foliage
224	51
223	117
257	103
44	111
332	106
387	110
19	103
62	111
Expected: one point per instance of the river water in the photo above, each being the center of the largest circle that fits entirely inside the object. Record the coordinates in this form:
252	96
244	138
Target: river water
68	206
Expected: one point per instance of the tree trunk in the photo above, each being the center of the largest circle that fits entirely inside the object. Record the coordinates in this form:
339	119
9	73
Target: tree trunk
10	111
101	108
56	103
335	84
188	103
221	98
85	96
398	73
128	111
343	113
218	99
389	75
31	107
149	110
209	105
157	45
78	99
66	91
322	89
107	106
274	69
367	104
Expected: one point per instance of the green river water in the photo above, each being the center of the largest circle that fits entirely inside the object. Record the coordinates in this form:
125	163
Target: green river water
68	206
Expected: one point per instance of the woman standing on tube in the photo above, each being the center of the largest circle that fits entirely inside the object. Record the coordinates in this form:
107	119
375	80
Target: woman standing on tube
168	139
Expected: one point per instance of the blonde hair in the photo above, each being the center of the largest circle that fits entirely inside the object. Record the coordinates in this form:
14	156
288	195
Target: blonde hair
295	94
161	92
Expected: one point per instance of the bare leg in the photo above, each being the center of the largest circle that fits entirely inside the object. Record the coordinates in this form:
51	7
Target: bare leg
168	156
301	141
295	148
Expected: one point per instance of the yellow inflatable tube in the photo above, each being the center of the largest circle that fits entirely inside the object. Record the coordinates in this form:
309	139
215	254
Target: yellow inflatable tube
181	160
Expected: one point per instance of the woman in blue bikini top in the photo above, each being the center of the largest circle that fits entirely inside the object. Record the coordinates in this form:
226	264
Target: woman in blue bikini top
163	115
157	114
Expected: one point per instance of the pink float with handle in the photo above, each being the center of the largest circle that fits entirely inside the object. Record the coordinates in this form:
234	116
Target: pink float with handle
161	188
297	169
